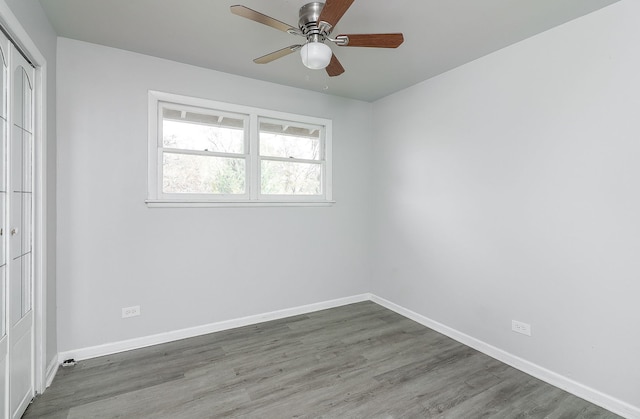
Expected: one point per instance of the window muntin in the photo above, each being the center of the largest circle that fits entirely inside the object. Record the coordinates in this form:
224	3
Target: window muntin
202	151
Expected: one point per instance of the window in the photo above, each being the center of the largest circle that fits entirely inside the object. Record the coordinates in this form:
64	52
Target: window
205	153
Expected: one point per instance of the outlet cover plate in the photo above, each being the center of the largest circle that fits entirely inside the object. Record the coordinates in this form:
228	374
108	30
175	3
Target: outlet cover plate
130	311
521	327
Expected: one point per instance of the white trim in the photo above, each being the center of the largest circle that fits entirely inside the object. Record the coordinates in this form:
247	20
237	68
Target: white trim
587	393
51	372
328	158
39	229
253	170
153	169
156	203
127	345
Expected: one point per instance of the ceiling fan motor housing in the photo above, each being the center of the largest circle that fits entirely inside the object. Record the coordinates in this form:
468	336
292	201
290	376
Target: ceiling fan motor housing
314	30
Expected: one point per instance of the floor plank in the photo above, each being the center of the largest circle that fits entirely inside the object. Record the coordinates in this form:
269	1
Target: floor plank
355	361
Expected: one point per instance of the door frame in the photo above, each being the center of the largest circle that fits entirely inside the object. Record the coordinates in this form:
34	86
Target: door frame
44	370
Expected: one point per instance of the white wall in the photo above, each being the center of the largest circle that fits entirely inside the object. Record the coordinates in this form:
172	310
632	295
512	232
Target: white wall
188	266
509	189
35	23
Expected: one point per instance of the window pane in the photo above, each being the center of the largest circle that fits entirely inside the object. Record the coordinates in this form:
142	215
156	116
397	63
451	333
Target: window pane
185	173
281	140
193	131
288	178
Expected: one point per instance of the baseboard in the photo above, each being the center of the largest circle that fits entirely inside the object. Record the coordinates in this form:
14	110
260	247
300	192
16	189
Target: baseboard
610	403
51	371
127	345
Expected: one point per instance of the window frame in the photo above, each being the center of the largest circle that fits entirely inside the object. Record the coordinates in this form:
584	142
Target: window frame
253	195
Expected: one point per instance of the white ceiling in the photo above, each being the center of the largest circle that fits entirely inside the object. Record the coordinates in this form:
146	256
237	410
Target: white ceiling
439	35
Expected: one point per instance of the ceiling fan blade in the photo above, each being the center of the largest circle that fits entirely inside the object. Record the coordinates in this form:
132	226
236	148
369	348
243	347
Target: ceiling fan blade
333	11
334	68
277	54
262	18
373	40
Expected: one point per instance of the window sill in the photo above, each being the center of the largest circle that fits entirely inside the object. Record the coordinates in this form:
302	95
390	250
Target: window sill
154	203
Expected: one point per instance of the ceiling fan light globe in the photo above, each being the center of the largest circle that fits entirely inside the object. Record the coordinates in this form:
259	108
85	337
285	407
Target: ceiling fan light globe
315	55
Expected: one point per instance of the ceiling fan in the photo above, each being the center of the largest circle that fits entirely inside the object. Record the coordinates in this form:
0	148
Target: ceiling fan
316	22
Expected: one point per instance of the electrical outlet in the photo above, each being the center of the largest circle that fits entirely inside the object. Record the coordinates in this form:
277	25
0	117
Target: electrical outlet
130	311
520	327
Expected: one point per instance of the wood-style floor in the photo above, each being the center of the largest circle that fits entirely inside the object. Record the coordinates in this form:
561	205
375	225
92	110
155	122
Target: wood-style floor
356	361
